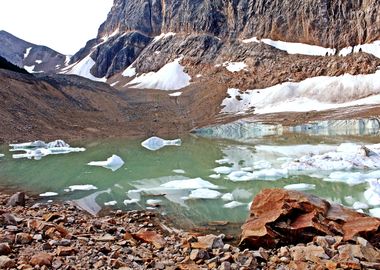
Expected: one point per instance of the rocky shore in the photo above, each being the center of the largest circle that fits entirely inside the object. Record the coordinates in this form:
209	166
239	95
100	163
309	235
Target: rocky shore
61	236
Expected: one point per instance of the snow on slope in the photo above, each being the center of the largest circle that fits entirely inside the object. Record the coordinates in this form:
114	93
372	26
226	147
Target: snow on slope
170	77
27	52
83	68
318	93
306	49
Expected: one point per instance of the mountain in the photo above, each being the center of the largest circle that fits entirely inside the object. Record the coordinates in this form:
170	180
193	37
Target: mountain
33	58
244	43
4	64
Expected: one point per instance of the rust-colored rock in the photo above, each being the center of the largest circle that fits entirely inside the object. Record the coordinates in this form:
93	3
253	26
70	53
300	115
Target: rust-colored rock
280	217
151	237
66	251
41	259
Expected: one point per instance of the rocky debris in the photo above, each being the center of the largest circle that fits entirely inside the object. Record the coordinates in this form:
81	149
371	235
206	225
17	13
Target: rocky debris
62	236
279	217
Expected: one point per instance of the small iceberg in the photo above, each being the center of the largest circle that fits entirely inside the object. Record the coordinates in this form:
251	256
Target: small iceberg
300	187
1	155
82	187
153	202
131	201
214	176
228	197
196	183
375	212
222	170
39	149
48	194
110	203
179	171
360	205
156	143
113	163
204	193
233	204
372	195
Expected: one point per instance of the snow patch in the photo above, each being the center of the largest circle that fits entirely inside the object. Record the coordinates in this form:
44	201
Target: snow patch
170	77
110	203
29	68
83	69
26	54
235	66
129	72
175	94
313	94
38	61
115	83
163	35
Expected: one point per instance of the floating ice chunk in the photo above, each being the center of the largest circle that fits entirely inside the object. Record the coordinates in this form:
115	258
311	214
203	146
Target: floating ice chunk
82	187
132	201
179	171
223	170
110	203
262	164
360	205
196	183
375	212
113	163
241	176
35	144
222	161
350	178
241	194
300	186
155	143
1	155
228	197
349	199
36	154
372	197
270	174
214	176
48	194
153	202
175	94
204	193
233	204
57	143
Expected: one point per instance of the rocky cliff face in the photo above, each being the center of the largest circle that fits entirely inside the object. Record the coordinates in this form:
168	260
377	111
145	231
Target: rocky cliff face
210	32
35	58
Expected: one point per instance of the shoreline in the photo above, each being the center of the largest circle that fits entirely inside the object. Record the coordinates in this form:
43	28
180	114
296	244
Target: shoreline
60	236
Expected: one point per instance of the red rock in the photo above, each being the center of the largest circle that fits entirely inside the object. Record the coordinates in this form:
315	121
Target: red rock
66	251
41	259
282	217
151	237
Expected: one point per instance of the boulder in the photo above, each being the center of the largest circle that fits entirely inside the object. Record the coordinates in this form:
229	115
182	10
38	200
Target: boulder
280	217
17	199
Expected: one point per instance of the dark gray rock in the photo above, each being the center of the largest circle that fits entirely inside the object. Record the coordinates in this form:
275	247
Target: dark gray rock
17	199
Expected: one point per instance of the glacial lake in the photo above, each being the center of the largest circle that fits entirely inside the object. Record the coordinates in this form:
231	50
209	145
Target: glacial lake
145	173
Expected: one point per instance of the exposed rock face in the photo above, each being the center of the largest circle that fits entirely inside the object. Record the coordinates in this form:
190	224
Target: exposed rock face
22	53
281	217
210	32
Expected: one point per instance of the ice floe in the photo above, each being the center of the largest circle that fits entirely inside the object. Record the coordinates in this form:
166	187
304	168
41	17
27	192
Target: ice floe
170	77
214	176
360	205
241	194
1	155
156	143
375	212
227	197
153	202
300	186
179	171
113	163
110	203
48	194
223	170
39	149
89	203
204	193
82	187
317	93
196	183
372	194
131	201
233	204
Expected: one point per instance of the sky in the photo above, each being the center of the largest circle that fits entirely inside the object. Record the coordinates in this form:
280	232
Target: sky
63	25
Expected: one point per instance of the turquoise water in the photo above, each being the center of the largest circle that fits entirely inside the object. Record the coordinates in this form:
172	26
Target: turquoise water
144	169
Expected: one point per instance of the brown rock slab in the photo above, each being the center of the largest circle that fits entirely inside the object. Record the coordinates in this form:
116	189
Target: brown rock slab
208	242
66	251
5	249
6	262
41	259
280	217
151	237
